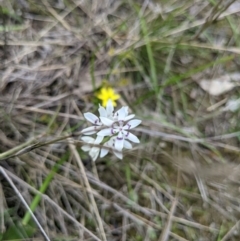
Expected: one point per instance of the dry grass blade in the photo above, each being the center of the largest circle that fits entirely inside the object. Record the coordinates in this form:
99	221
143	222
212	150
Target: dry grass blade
166	231
2	225
28	147
93	205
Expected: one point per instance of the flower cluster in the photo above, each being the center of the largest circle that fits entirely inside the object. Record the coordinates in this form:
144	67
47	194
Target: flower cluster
115	126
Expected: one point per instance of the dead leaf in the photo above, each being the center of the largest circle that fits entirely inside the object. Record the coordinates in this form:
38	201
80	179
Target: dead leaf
221	84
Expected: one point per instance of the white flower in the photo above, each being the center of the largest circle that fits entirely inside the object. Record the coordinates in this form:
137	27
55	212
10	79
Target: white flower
93	150
120	127
115	125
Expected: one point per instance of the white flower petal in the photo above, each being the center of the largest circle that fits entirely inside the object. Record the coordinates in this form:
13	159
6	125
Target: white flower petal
106	121
121	114
86	148
109	108
105	132
104	152
129	117
98	139
94	153
102	111
127	144
111	141
87	139
131	137
92	118
89	130
126	110
119	141
118	154
132	124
